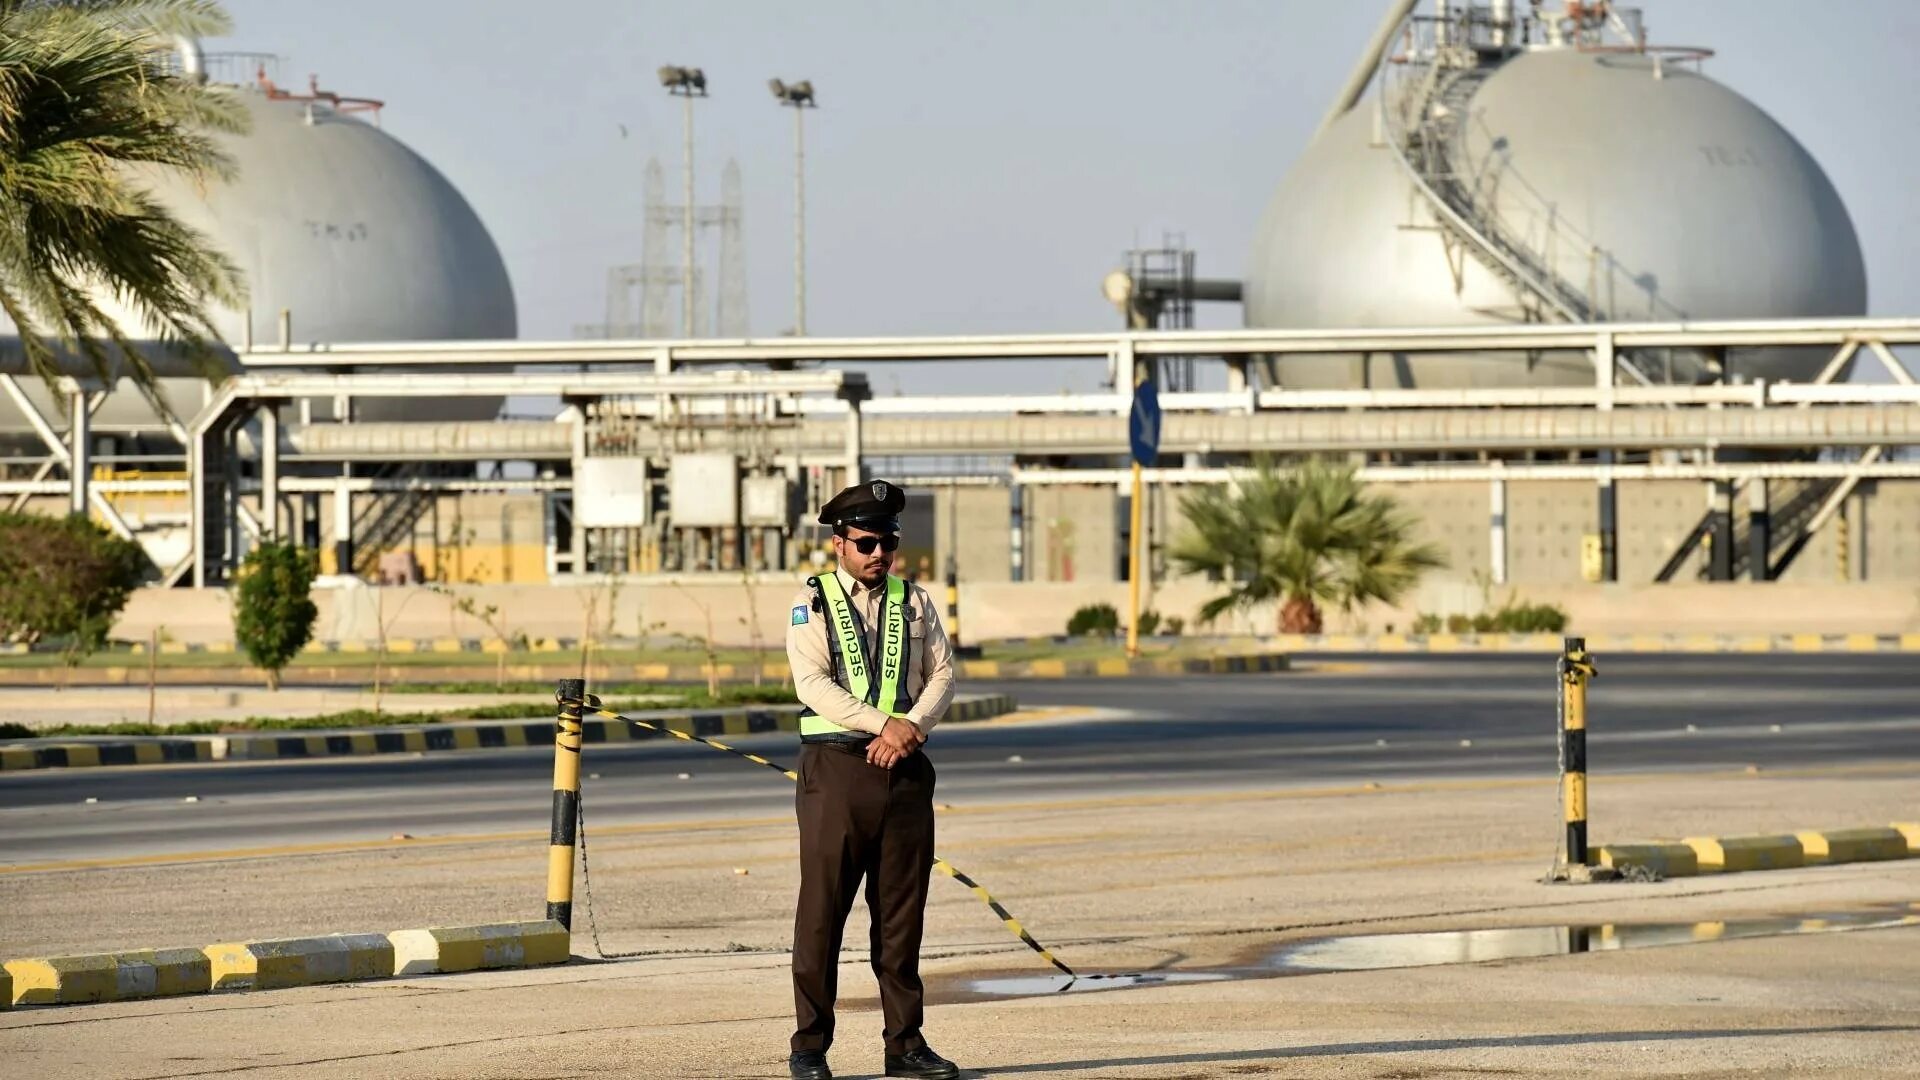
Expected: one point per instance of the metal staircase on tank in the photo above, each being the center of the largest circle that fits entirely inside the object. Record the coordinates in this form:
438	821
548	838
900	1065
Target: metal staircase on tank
1425	97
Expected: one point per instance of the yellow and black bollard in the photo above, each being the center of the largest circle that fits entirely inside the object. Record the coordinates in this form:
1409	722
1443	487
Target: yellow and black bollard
566	801
1576	669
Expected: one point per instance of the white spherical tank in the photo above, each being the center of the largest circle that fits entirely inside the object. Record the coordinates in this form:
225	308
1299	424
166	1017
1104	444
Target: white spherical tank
1652	191
338	222
350	231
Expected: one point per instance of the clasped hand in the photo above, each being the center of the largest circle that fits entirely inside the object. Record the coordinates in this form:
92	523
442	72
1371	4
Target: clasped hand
896	740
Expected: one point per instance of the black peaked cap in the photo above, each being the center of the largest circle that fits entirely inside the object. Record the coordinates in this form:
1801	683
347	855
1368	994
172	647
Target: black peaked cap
875	505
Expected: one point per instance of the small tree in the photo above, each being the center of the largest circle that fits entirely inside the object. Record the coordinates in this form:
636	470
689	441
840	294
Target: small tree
1094	620
63	578
488	615
707	642
1303	537
273	609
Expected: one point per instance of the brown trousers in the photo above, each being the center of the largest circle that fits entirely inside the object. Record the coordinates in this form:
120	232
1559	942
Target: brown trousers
859	820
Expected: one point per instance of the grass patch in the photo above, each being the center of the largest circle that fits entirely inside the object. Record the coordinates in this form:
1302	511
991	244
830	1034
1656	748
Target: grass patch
771	693
485	663
480	661
352	718
1100	648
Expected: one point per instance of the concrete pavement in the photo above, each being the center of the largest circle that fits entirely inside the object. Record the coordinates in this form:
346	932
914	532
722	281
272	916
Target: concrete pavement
1173	884
1219	823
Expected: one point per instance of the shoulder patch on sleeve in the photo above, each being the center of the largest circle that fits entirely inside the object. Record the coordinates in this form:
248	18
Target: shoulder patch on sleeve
799	614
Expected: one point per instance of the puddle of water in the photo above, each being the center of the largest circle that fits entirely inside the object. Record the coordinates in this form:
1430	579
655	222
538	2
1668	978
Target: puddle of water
1373	952
1370	952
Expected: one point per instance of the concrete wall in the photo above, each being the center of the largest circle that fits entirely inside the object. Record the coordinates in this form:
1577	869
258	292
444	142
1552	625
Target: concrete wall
1007	609
1073	534
975	523
1891	530
1457	518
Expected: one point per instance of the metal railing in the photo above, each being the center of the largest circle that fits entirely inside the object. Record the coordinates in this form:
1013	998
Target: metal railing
1425	91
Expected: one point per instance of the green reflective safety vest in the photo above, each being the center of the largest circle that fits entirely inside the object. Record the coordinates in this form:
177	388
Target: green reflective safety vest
853	664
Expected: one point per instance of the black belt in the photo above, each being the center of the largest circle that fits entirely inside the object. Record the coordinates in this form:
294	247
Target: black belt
852	744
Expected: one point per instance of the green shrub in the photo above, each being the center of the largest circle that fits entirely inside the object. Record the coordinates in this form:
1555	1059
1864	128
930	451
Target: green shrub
1094	620
1513	618
1532	619
1176	626
63	578
273	609
1149	622
11	730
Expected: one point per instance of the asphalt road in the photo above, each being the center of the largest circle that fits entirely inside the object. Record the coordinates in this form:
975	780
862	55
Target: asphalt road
1365	719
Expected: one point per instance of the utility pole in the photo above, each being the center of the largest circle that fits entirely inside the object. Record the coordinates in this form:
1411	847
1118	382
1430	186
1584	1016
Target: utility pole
798	96
686	83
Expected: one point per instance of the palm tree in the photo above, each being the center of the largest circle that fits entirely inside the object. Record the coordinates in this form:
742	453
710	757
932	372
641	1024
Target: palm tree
1306	536
87	105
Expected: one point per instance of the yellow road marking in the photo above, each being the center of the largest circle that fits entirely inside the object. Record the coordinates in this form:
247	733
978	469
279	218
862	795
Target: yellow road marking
1034	716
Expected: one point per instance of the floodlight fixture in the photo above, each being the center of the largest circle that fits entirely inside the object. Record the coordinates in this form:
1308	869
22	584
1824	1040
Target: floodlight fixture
688	81
799	95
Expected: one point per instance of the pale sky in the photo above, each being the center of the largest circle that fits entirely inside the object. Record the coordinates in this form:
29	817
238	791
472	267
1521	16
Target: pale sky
977	167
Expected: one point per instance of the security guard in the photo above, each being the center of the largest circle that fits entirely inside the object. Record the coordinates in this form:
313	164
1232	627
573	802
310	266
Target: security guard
874	670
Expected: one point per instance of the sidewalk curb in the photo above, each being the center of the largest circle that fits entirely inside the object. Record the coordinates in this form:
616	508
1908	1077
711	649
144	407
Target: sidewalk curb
1699	855
280	963
695	674
275	965
1254	663
426	738
1600	643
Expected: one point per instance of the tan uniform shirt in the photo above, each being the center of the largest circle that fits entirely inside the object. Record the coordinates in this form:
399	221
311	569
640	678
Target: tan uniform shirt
929	665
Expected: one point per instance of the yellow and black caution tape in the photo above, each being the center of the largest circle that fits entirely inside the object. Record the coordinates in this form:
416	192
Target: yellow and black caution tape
591	706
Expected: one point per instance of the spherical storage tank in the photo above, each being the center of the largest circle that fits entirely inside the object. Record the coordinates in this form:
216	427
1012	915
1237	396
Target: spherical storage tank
354	234
1652	190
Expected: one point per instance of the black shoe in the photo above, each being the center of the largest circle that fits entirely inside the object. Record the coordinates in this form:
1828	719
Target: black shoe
922	1064
809	1065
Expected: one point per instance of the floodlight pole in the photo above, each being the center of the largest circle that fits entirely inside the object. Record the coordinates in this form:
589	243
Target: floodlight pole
687	226
686	83
799	223
798	97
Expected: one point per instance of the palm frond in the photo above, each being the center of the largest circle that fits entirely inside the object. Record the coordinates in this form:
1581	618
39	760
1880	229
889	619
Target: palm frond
1310	532
87	120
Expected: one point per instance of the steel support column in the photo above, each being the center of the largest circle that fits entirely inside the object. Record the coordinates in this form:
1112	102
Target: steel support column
1720	531
1016	521
1759	532
1609	523
1497	529
79	430
1855	544
343	528
270	472
853	441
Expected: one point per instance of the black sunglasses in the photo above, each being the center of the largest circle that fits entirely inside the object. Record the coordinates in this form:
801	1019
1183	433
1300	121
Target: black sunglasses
865	544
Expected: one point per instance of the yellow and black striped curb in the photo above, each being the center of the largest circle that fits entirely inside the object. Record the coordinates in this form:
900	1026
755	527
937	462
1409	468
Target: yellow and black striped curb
1119	667
427	738
274	965
776	671
1388	642
73	755
1782	851
1601	643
